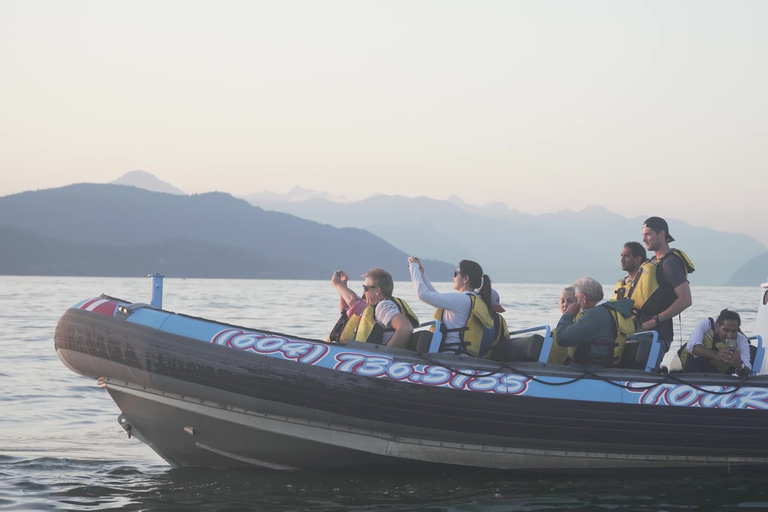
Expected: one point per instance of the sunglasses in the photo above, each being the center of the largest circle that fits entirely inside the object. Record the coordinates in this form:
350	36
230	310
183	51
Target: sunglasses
366	288
456	273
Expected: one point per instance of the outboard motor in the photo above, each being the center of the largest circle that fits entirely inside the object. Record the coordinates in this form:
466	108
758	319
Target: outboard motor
761	324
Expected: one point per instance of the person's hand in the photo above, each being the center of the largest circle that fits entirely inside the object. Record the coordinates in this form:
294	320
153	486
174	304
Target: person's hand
649	325
724	355
339	277
732	358
573	309
413	259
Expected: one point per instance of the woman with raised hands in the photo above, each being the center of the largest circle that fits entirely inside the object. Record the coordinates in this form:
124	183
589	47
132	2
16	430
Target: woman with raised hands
463	315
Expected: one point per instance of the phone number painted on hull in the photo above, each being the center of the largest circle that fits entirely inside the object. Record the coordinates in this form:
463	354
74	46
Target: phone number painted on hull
358	363
336	357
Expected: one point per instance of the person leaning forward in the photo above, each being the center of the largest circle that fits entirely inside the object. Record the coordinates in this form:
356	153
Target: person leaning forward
708	348
597	339
377	317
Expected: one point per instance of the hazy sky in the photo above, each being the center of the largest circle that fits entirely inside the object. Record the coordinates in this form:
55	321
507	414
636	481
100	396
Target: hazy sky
655	107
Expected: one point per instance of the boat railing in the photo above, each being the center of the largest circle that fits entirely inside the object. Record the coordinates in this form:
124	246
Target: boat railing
757	364
156	293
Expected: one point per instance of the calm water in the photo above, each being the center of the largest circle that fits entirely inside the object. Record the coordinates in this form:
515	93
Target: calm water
62	449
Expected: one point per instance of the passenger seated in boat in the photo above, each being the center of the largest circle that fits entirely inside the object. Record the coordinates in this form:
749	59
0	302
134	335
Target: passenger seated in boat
717	346
377	316
558	354
597	339
493	335
463	315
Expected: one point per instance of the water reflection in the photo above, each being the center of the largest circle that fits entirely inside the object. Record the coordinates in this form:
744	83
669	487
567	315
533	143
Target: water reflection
61	446
101	485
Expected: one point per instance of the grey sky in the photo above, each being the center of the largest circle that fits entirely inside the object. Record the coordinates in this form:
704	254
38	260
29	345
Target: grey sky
642	107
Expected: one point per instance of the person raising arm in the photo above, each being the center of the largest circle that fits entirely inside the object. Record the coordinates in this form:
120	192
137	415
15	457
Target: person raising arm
464	315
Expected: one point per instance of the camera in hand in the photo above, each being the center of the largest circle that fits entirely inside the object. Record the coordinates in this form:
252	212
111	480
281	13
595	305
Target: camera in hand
337	273
731	345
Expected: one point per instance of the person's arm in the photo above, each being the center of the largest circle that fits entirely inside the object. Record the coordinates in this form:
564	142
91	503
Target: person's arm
743	344
697	336
735	359
346	296
673	271
568	317
683	302
419	274
403	330
711	353
740	360
342	277
586	330
452	301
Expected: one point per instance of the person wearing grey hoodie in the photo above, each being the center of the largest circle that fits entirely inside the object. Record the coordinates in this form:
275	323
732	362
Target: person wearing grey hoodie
594	334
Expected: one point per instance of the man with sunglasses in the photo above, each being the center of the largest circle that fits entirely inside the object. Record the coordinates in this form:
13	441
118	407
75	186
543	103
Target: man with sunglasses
377	316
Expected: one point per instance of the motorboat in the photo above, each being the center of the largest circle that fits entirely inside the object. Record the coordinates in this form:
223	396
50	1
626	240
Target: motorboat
206	393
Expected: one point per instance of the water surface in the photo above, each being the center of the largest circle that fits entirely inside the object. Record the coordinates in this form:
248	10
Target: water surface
62	449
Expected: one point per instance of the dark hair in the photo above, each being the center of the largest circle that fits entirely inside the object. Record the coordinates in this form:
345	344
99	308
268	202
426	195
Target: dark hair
637	250
726	315
658	224
477	280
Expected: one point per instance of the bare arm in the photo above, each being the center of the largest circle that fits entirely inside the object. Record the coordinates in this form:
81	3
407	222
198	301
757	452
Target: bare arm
682	302
346	296
403	330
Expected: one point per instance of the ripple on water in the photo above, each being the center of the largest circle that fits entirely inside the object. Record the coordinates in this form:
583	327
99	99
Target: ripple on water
61	447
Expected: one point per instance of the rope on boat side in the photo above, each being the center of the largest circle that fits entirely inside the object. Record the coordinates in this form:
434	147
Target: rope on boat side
668	378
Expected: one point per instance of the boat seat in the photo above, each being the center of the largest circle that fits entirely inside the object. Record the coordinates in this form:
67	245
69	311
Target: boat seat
518	349
420	341
426	341
641	352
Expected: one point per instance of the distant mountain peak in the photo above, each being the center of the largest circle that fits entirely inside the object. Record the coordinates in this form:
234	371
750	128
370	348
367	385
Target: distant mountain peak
496	209
599	212
295	195
595	209
147	181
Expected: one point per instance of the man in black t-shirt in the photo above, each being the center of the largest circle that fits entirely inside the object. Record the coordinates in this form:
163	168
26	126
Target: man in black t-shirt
674	294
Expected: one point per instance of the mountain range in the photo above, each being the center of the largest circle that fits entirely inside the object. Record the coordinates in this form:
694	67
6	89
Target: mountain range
118	230
128	229
516	247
